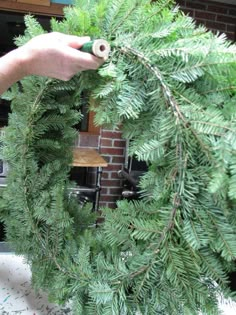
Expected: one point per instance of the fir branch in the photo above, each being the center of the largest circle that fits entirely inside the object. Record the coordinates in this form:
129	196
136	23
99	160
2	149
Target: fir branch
232	255
227	88
35	225
225	128
126	16
156	250
141	230
144	279
203	145
200	65
212	270
147	19
153	69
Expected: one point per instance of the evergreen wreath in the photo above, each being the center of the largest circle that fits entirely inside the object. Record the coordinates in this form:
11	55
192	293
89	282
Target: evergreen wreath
171	85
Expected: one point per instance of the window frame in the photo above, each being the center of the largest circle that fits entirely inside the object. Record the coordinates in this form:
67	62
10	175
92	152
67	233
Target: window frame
55	9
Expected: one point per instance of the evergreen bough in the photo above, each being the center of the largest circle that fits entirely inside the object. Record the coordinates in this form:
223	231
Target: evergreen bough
171	86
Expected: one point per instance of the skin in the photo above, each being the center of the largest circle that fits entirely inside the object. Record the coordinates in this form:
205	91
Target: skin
53	55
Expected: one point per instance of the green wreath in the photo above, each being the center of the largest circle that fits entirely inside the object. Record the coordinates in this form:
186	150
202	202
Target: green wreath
171	86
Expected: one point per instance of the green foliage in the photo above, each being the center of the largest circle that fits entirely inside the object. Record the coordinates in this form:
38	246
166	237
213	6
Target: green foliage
171	85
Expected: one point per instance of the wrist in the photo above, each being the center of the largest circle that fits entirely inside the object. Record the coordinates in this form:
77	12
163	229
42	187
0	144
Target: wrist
15	64
12	69
23	62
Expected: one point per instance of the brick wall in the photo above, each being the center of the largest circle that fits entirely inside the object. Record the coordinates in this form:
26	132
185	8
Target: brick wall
214	15
112	148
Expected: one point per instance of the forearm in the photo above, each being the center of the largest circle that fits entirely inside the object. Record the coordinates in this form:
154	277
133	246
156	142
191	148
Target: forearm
11	70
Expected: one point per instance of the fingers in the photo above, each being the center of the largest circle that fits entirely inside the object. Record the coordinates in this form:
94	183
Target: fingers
71	40
84	60
57	55
78	42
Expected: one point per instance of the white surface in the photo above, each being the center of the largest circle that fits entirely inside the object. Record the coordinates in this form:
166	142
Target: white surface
18	298
16	294
228	308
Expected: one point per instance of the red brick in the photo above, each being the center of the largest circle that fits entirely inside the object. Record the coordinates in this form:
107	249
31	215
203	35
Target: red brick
111	134
226	19
115	191
114	175
113	167
230	36
196	5
119	143
106	142
112	151
232	12
118	160
217	9
108	198
215	25
200	22
181	2
110	183
231	28
188	11
104	191
205	15
105	175
106	170
88	140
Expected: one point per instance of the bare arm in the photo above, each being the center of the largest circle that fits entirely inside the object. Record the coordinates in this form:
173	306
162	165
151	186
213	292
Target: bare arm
10	70
53	55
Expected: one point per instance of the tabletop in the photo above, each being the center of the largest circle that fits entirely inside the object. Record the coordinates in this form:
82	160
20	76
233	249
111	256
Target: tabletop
86	157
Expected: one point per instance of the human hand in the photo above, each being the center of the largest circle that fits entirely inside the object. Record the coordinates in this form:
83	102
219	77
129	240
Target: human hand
56	55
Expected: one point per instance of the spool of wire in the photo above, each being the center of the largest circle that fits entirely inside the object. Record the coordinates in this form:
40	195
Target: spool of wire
98	47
